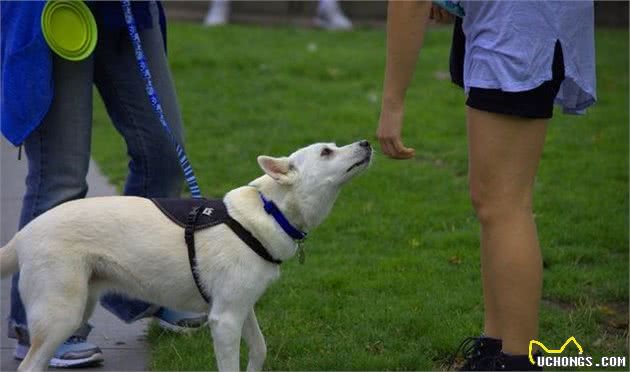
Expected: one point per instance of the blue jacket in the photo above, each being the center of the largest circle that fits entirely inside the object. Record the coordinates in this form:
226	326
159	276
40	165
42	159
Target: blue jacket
26	60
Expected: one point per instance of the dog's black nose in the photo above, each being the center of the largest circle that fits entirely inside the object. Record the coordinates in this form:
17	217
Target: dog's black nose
364	143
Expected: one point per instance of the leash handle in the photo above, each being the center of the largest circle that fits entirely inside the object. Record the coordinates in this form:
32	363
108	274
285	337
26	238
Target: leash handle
143	66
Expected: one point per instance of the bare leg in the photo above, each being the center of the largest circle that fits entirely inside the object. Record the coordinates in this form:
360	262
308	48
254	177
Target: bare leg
255	342
504	152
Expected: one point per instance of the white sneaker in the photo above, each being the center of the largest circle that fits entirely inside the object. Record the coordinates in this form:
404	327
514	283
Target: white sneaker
218	13
75	352
330	17
180	321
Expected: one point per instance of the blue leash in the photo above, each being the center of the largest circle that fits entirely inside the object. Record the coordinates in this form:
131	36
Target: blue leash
143	66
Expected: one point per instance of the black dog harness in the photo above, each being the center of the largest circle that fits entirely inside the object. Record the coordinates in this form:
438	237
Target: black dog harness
198	214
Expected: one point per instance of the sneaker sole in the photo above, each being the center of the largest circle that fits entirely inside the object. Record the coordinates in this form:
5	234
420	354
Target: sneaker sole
96	358
93	360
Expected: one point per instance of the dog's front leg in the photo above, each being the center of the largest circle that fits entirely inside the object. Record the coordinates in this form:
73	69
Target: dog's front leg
226	323
255	342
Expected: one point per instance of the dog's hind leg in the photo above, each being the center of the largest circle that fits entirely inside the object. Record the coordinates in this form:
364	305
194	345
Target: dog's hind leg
54	310
30	363
255	342
48	329
90	304
226	323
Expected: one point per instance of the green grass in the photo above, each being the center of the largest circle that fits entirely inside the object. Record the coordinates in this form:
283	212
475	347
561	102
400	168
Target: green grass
391	279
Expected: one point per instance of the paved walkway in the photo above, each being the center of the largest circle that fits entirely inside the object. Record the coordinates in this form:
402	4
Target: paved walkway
123	345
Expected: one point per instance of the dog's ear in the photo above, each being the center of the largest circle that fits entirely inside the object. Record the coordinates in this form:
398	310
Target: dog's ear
277	168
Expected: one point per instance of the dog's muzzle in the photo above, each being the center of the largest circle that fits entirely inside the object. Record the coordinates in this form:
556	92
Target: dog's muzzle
368	156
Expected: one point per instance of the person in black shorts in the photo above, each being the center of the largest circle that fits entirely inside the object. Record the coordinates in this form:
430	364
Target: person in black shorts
508	56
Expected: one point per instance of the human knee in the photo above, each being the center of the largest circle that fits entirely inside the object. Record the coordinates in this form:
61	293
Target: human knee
498	205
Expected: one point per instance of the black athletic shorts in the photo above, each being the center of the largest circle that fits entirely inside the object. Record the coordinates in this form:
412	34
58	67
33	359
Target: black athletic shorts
536	103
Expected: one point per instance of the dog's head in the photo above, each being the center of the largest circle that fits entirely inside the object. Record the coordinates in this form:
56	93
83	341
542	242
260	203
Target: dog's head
307	182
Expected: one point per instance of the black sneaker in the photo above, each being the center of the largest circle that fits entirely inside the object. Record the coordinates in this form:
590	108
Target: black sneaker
480	353
507	362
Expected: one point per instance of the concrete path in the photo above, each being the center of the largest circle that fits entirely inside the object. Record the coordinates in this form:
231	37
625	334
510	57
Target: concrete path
123	344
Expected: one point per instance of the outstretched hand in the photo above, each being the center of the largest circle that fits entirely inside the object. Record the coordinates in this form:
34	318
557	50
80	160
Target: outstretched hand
388	134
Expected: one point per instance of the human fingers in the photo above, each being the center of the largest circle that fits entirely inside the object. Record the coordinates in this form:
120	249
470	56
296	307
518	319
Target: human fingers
394	148
401	151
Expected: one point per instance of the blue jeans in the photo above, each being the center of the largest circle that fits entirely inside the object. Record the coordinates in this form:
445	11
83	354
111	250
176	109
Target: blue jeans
59	150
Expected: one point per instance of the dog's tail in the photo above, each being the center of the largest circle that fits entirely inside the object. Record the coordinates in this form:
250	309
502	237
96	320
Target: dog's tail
8	259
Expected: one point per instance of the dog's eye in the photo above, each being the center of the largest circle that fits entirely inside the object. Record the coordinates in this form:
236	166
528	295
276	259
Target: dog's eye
326	151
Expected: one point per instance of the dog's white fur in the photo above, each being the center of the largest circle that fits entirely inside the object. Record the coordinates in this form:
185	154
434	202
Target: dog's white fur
69	255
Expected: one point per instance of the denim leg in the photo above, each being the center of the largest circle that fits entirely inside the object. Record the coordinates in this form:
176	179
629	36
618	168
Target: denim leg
154	169
58	154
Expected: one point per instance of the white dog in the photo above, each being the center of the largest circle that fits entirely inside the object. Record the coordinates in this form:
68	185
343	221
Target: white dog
69	255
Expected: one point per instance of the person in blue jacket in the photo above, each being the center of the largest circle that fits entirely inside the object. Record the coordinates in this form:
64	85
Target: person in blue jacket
46	106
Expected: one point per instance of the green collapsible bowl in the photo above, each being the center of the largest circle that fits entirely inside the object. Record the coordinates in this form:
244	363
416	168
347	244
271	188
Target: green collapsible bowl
69	29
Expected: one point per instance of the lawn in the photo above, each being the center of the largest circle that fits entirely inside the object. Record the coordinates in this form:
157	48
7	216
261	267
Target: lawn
391	279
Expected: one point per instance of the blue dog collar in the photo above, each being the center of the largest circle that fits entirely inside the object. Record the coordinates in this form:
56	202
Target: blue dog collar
272	209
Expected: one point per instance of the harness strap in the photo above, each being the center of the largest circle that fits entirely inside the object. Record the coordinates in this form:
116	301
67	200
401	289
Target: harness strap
236	227
189	236
250	240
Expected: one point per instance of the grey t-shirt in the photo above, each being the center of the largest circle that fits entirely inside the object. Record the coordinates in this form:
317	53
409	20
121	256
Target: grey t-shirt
510	46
